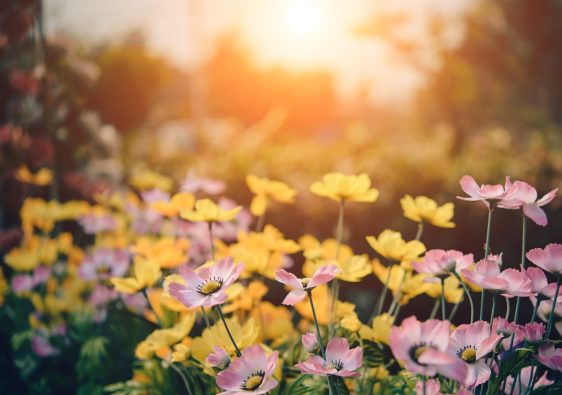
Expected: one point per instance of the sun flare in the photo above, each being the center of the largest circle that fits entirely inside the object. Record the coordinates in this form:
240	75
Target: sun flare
302	16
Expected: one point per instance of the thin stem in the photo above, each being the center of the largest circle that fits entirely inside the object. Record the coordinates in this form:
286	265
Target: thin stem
467	293
207	324
536	309
212	244
145	293
454	311
488	231
494	296
435	308
443	299
523	261
335	284
551	316
507	308
260	223
384	291
482	297
183	378
420	231
228	330
319	337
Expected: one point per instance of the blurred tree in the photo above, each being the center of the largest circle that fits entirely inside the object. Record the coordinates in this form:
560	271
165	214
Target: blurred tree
131	79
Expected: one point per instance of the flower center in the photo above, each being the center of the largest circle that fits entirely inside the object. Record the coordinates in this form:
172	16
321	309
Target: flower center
468	354
417	350
210	286
337	364
305	281
253	381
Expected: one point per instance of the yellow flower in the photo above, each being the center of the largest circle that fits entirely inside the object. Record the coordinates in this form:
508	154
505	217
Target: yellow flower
182	201
207	211
146	273
321	297
244	336
339	187
247	297
166	251
3	287
424	209
43	177
379	331
392	246
352	268
182	350
453	290
167	337
265	189
148	179
351	323
402	282
276	323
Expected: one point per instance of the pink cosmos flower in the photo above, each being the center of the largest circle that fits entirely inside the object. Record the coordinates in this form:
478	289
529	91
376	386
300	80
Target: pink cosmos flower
310	341
42	347
540	285
521	385
251	373
548	258
550	357
206	286
525	196
218	358
429	387
534	331
94	224
441	263
472	343
422	348
508	283
503	327
543	311
340	360
26	282
194	184
323	275
104	263
484	193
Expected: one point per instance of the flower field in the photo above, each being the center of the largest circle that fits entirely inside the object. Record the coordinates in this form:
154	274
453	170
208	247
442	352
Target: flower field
184	289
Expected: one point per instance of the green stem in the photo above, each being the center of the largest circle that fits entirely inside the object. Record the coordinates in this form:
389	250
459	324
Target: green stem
228	330
335	284
207	324
551	316
536	309
384	292
212	244
443	299
523	261
507	308
467	293
482	297
183	378
494	296
435	308
419	232
488	231
454	311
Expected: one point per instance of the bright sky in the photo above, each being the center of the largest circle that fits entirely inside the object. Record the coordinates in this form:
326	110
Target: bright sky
298	34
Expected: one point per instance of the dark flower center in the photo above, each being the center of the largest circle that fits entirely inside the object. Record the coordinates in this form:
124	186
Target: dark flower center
210	286
253	381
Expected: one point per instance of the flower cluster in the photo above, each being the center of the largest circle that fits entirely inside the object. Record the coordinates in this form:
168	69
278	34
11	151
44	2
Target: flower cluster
219	303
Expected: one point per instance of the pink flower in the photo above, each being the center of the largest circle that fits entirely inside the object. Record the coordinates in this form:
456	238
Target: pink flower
550	357
503	327
548	258
484	193
544	309
508	283
533	332
429	387
525	196
301	286
525	375
422	348
206	286
310	341
472	343
251	373
194	184
340	360
218	358
94	224
104	263
441	263
539	283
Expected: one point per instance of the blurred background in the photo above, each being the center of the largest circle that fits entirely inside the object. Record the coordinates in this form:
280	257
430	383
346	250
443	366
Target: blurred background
415	94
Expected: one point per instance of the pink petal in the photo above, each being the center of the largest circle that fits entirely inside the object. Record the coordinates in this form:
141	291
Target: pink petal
470	187
287	278
337	349
535	213
323	275
549	197
293	297
190	276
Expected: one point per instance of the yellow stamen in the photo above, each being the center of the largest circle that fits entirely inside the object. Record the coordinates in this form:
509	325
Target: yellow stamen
253	382
469	355
210	287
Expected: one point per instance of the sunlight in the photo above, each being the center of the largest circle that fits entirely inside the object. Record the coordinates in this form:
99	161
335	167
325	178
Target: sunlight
302	16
